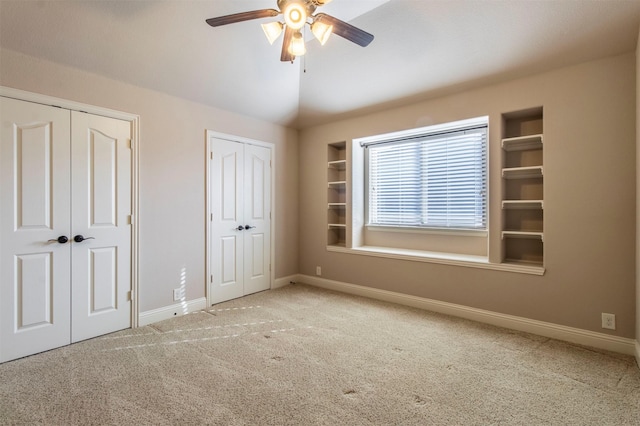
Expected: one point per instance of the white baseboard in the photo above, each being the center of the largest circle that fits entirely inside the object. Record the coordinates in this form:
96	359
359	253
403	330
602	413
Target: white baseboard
183	308
284	281
638	353
177	309
555	331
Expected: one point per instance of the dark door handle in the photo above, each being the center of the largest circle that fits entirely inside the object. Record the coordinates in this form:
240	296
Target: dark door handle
61	239
248	227
240	228
79	238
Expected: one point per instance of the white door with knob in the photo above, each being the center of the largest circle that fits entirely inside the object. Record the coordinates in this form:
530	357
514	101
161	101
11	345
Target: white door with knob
101	227
65	201
239	187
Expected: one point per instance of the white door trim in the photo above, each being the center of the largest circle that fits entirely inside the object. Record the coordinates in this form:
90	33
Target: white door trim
208	149
135	141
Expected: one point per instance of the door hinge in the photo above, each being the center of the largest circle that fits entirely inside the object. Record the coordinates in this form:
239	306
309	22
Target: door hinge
129	220
211	155
128	143
269	267
211	279
129	296
211	217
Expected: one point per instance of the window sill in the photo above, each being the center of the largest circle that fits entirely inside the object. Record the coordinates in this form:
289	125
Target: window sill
468	261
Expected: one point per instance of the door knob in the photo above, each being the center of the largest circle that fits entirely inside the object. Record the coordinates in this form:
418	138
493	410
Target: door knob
79	238
240	228
61	239
248	227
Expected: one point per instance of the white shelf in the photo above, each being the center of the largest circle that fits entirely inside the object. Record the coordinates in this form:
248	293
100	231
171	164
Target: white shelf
336	225
522	204
522	172
341	246
337	164
523	263
532	235
337	205
337	183
522	143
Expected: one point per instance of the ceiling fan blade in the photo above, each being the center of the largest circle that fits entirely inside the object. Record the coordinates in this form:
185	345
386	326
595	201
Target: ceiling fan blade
285	56
348	31
243	16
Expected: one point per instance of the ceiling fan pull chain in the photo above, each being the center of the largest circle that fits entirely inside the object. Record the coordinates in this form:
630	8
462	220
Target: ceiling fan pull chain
304	58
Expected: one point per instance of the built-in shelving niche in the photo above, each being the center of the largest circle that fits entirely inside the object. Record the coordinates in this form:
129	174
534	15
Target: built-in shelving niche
336	194
523	187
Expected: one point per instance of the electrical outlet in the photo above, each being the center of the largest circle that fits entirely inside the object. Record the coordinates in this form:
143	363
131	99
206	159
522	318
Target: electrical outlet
178	294
609	321
318	271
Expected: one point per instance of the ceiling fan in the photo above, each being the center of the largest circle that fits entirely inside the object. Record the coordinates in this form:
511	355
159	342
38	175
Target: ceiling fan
296	14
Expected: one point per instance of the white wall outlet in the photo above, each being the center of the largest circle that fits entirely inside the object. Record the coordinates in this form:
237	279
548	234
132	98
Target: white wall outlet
318	271
178	294
609	321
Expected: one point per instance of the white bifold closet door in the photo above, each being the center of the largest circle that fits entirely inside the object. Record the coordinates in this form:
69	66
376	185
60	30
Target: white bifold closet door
65	205
240	197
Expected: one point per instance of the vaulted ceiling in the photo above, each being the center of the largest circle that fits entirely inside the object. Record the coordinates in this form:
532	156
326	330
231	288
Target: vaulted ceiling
422	49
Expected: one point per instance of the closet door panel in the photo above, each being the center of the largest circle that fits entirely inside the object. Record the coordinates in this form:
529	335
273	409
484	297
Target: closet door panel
102	177
33	286
32	173
101	188
34	214
257	202
227	185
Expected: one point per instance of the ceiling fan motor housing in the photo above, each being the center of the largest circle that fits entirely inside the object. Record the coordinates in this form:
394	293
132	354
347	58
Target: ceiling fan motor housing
309	5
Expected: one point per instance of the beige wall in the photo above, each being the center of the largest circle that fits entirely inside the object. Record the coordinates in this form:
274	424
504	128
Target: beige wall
172	171
590	140
589	159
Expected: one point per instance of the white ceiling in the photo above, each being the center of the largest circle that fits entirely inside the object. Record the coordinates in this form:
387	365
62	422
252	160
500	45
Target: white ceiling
422	48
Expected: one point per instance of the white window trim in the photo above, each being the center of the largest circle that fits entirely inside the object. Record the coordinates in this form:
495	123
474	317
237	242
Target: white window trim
404	135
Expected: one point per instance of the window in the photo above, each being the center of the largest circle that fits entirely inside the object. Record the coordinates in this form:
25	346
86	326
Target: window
433	177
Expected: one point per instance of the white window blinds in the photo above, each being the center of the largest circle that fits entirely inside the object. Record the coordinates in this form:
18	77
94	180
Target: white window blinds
434	180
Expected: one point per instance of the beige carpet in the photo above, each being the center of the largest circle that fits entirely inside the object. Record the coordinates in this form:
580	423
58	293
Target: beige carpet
305	356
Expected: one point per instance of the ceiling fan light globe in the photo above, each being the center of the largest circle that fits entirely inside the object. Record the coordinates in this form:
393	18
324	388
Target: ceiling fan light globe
297	47
272	30
321	31
295	15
